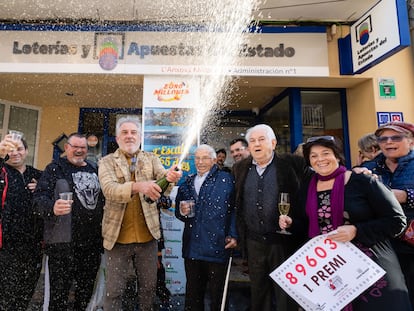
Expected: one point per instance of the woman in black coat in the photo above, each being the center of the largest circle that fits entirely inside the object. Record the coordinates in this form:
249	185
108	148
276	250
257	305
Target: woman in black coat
362	210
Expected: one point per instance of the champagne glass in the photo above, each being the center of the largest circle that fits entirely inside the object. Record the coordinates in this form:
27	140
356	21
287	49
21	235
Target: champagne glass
284	206
16	136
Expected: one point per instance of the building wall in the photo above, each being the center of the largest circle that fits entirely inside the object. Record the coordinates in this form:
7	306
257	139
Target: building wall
361	114
364	100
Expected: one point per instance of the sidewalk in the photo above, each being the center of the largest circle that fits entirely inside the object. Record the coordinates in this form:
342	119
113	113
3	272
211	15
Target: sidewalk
237	297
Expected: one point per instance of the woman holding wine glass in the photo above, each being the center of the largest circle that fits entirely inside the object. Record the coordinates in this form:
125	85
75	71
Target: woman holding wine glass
355	208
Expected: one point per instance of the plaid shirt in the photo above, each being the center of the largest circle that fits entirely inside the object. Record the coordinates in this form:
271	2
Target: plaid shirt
116	184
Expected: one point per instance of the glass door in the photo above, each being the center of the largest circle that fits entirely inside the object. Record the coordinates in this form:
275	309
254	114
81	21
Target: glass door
298	114
101	122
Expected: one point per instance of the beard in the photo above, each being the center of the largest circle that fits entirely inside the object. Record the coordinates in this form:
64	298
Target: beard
130	148
77	161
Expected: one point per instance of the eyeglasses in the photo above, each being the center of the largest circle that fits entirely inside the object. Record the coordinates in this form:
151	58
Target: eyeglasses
202	159
237	150
77	147
315	138
394	138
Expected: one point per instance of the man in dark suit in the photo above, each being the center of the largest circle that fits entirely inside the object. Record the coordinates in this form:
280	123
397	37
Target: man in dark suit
259	179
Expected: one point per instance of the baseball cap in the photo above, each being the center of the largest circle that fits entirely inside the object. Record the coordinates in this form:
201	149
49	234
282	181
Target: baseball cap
400	127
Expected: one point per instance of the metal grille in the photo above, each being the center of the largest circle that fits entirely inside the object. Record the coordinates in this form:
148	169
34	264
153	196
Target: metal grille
312	116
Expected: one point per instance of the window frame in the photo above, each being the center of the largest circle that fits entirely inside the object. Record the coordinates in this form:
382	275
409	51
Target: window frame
6	120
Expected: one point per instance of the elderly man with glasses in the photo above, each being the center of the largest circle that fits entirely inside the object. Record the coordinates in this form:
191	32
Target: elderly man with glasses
209	229
395	165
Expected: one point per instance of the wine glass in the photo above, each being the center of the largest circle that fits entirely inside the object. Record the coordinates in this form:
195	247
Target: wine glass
284	206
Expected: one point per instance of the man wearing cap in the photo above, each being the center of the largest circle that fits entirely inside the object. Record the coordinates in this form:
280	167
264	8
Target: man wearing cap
396	167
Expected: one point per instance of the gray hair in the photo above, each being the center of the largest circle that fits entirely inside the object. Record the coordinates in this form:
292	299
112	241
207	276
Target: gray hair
263	127
128	119
208	148
368	142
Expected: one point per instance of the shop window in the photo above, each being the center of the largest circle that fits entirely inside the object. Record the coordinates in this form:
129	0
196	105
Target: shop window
100	123
321	114
277	118
300	114
229	127
23	118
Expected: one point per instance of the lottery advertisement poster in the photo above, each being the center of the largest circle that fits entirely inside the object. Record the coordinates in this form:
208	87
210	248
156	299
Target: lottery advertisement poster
326	275
169	103
173	262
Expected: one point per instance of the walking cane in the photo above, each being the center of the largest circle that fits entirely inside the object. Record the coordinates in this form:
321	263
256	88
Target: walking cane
226	283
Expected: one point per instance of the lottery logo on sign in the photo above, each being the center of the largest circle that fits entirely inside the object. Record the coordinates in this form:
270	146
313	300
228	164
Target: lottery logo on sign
108	49
363	29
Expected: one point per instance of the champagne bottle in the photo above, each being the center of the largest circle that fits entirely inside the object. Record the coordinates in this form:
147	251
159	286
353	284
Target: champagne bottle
163	183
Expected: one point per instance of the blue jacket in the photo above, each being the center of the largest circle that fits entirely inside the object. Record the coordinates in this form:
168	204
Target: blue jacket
204	235
402	178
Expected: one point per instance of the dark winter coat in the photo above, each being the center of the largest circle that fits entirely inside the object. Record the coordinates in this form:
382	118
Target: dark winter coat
83	224
290	171
378	217
204	235
402	178
21	228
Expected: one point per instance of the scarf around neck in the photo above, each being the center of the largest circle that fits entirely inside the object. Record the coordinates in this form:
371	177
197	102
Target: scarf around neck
337	200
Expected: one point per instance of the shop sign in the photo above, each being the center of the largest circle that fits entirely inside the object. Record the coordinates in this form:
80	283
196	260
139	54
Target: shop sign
386	88
385	117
